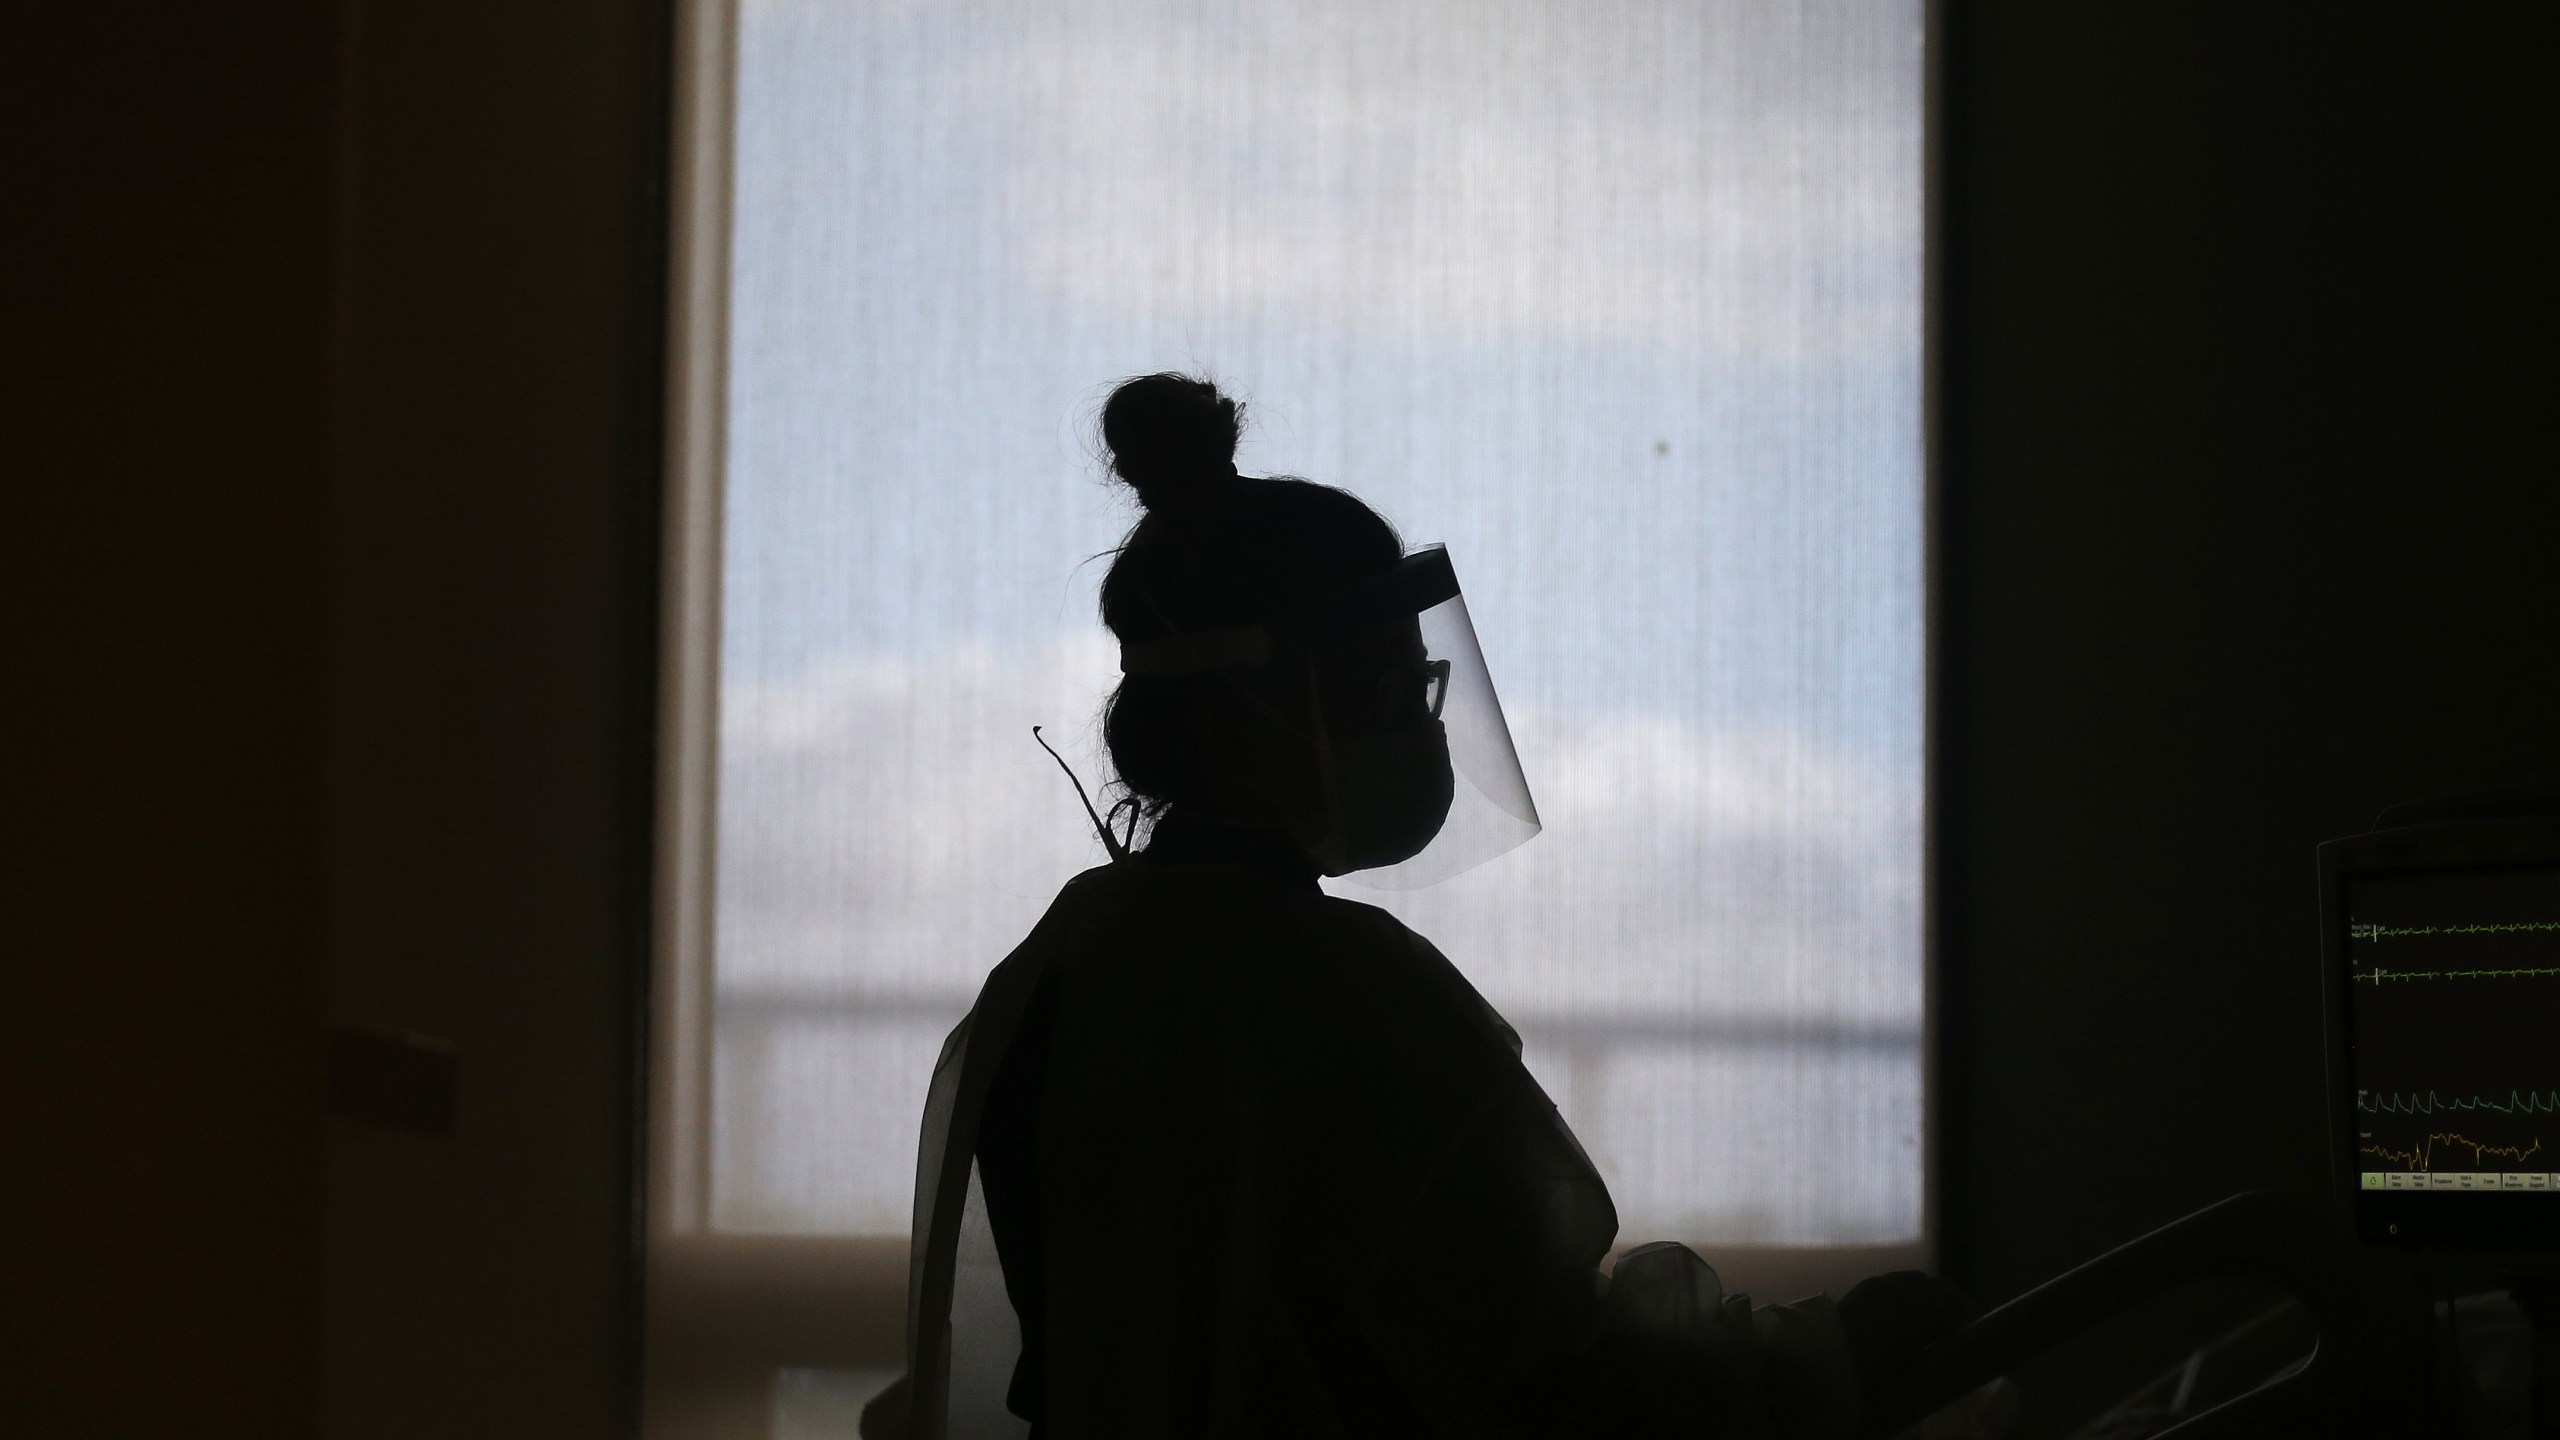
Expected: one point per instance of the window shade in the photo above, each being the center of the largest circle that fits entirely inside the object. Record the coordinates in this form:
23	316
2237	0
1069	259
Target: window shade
1619	300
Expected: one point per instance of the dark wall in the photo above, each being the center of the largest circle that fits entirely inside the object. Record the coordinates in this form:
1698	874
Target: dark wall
2247	525
329	427
491	623
164	281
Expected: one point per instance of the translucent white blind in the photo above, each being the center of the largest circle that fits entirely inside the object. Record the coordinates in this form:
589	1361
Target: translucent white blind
1620	300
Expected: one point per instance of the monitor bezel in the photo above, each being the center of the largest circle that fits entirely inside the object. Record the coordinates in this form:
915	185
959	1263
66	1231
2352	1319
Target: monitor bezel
2518	1232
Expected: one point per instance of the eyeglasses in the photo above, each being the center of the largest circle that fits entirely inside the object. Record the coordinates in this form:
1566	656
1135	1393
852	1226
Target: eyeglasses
1395	695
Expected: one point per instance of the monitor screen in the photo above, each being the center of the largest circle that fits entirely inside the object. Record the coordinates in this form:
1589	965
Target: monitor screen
2454	1029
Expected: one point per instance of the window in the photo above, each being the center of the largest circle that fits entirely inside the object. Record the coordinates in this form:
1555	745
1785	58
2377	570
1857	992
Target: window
1619	300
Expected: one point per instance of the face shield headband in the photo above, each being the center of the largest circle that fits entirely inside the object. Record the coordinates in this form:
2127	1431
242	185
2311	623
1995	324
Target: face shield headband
1420	778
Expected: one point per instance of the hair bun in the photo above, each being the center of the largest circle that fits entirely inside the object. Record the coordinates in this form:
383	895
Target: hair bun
1168	432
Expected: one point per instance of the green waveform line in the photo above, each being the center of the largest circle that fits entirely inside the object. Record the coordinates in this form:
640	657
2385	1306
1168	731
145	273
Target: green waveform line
2394	932
2378	975
2518	1102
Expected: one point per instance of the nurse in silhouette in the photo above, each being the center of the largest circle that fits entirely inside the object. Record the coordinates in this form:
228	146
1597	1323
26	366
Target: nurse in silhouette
1217	1154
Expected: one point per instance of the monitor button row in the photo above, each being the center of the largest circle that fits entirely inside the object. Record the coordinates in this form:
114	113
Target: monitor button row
2459	1180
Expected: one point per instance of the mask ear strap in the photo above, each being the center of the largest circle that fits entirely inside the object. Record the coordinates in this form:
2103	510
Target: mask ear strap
1129	836
1119	849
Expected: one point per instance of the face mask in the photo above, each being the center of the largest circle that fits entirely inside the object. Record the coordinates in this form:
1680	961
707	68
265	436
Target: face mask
1389	794
1382	804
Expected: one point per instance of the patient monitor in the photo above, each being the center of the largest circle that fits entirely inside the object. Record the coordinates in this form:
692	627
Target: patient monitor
2441	958
2440	975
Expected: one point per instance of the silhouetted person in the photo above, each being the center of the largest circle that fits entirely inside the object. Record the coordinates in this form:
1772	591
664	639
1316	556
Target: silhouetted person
1259	1161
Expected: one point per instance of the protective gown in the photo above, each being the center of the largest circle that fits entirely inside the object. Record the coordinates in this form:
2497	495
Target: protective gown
1216	1154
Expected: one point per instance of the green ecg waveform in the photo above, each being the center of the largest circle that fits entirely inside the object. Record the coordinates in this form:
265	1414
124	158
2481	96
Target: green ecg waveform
2518	1102
2380	976
2395	932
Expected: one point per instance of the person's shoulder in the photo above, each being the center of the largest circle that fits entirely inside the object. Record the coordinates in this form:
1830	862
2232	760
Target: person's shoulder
1377	938
1101	878
1087	901
1406	977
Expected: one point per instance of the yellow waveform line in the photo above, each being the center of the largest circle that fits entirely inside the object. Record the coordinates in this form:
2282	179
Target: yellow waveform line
2423	1157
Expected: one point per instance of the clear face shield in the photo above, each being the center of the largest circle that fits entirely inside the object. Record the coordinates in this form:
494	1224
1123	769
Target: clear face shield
1413	759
